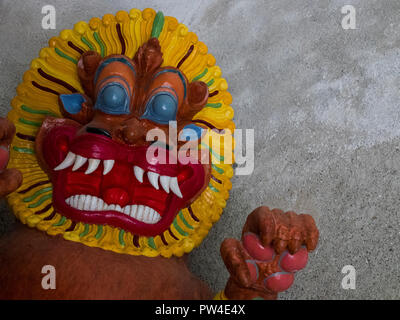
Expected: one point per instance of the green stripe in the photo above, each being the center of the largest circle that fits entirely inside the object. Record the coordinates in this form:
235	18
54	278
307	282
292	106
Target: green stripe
36	194
61	222
219	170
24	150
158	25
99	231
27	109
151	243
29	122
121	238
221	158
85	41
179	229
212	188
210	83
214	105
101	44
201	75
85	231
184	221
62	54
41	200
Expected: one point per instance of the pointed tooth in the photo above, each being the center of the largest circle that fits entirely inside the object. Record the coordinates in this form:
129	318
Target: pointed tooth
108	165
133	211
81	201
67	201
153	178
93	204
139	213
68	161
93	165
175	187
165	180
118	208
105	206
79	162
111	207
138	173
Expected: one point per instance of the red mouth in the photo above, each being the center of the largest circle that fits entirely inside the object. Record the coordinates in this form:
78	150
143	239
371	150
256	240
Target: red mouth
100	181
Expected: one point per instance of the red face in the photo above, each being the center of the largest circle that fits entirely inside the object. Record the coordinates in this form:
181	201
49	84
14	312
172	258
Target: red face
103	169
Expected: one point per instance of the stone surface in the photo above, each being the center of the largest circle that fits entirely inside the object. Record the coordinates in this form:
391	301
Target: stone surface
323	102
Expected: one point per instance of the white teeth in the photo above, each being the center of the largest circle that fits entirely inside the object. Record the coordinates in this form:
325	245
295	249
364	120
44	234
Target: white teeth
100	205
93	165
146	214
88	202
167	183
133	211
92	203
79	162
139	214
108	165
81	202
75	203
138	173
175	187
153	178
68	161
165	180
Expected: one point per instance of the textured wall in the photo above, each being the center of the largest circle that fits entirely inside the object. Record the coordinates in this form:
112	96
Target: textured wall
324	105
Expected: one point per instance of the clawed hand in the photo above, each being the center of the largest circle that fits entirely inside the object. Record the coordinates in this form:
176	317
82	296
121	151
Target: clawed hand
273	247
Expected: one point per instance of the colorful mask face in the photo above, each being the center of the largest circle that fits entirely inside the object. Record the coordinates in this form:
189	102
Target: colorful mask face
103	169
96	174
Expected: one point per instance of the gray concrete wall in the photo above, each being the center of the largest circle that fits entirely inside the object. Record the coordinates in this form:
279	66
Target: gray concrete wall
324	103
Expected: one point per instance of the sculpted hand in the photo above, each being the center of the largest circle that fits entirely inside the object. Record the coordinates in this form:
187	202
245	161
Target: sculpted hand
10	179
273	247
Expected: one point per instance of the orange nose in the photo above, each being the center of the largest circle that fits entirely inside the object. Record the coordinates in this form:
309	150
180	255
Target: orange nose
133	131
116	196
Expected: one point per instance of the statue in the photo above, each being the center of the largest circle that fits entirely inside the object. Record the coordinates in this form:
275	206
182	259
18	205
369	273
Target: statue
108	123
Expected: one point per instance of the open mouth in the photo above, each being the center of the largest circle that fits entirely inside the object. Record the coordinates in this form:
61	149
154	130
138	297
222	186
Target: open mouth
97	180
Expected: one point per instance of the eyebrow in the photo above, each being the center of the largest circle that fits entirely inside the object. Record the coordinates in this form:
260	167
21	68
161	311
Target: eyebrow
115	59
176	72
164	87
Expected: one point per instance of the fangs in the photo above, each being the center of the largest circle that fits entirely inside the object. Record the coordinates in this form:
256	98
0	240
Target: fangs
78	161
91	203
167	183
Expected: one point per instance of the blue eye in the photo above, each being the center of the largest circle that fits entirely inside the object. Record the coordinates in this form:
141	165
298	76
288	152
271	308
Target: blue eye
113	99
161	108
191	132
